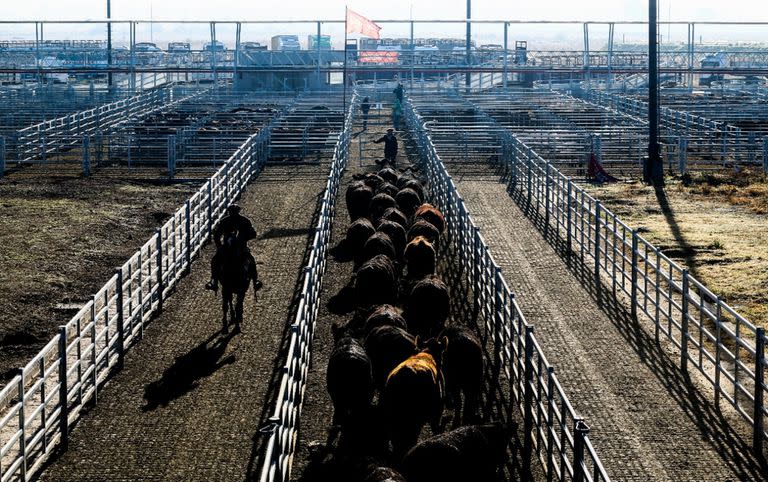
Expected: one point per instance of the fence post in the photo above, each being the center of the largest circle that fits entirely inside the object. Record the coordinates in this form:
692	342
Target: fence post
569	236
580	431
684	324
635	256
63	388
2	156
528	395
682	146
498	318
188	234
598	207
210	207
546	199
171	156
86	156
757	415
22	428
120	318
159	249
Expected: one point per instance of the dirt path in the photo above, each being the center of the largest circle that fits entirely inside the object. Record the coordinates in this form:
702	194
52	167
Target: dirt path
189	403
647	421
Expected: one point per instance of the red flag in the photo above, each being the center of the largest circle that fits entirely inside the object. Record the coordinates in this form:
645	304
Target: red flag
356	23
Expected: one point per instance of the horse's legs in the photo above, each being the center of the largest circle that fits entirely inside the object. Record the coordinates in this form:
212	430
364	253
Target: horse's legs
239	308
226	300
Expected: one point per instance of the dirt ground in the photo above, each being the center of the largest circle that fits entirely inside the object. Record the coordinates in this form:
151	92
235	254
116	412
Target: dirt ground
62	236
714	224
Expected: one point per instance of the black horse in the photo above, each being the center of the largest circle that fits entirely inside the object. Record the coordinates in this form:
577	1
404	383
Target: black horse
234	276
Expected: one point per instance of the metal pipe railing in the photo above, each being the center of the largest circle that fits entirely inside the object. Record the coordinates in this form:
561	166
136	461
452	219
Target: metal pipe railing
553	432
284	423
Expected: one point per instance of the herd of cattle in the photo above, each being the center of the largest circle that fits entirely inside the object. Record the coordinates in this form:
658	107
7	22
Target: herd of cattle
400	349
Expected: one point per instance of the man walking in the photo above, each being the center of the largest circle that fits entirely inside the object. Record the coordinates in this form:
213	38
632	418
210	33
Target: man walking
365	107
390	146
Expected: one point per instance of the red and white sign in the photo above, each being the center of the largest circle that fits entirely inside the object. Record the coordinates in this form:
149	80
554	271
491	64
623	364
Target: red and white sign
377	57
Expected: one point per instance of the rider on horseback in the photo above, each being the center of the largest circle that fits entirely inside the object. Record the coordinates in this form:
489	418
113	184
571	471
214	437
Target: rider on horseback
240	226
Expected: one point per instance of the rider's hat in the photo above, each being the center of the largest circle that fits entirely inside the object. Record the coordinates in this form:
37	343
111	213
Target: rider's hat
233	209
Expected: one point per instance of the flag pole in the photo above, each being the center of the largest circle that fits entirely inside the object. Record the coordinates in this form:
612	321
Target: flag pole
344	76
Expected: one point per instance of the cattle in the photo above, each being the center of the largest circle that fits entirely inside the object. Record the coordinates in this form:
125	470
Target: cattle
371	180
420	258
385	315
474	452
463	369
378	243
358	197
389	175
387	188
375	282
383	474
427	306
421	227
379	204
396	233
413	396
415	186
349	377
407	200
388	346
395	215
357	234
432	215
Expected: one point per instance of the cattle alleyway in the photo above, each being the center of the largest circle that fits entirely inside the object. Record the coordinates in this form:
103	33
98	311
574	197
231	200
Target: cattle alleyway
190	402
648	421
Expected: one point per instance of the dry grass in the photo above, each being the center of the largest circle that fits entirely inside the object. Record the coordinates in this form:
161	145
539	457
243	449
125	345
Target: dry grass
714	224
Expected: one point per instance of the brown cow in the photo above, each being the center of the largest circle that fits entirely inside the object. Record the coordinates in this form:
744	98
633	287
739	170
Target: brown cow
388	346
419	258
387	188
379	204
385	315
432	215
413	396
475	452
421	227
376	282
396	233
395	215
357	234
349	377
358	197
463	368
378	243
408	201
427	306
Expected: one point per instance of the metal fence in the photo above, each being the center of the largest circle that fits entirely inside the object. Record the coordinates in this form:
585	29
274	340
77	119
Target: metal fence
42	142
697	142
711	336
284	423
553	431
41	404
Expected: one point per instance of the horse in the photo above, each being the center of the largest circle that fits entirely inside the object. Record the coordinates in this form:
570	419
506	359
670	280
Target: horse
235	277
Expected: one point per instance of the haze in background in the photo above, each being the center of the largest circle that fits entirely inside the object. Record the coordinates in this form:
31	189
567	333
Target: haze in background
541	36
